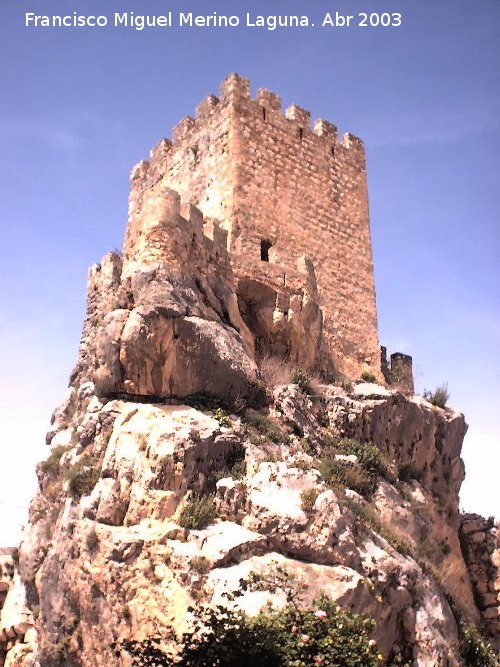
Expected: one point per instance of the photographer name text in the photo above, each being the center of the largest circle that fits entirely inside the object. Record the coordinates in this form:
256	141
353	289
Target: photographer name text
187	20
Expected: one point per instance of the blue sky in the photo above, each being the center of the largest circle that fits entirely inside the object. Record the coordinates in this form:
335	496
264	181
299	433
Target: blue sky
80	107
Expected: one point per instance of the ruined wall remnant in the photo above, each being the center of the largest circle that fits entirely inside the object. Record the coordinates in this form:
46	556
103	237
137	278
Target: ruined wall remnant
399	371
480	540
278	187
16	621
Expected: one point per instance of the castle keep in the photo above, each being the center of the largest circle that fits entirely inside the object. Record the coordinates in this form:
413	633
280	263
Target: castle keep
289	203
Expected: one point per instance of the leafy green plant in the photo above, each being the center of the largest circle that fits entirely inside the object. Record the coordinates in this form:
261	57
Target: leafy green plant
473	647
360	476
368	454
198	512
439	397
321	634
234	466
222	417
308	498
204	402
63	647
302	380
84	474
306	446
408	472
342	474
266	427
52	464
366	376
239	469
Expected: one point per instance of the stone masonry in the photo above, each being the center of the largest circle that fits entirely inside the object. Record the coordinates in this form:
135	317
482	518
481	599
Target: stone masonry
480	540
277	188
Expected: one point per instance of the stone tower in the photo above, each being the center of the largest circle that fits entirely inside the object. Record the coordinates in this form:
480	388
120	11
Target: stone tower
293	202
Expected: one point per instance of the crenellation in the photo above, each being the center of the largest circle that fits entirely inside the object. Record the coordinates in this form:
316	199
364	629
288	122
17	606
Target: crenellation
183	129
301	116
215	233
269	100
350	141
402	372
206	106
192	213
161	151
235	85
139	170
327	131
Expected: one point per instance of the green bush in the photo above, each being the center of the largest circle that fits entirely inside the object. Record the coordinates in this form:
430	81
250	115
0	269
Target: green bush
361	476
83	475
266	427
289	637
198	512
366	376
408	472
222	417
308	498
474	649
239	469
369	456
64	647
233	466
302	380
52	464
204	402
439	397
342	474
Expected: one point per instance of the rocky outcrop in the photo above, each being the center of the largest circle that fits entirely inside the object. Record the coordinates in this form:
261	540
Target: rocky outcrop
159	328
106	559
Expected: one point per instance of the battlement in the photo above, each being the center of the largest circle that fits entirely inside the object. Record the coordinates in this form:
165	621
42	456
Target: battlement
271	185
235	90
166	229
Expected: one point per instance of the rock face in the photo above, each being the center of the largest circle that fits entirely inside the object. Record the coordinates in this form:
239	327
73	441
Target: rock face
105	559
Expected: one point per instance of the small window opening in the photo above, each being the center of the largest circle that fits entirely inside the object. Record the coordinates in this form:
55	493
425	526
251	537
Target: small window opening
301	133
263	113
333	151
265	246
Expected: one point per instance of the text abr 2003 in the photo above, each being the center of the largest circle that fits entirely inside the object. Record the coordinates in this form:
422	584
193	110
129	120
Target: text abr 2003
374	19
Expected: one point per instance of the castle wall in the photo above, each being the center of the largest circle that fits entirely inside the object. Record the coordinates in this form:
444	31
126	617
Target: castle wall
268	176
306	193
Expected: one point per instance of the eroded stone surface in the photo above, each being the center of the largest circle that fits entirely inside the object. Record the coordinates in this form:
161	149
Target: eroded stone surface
118	554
